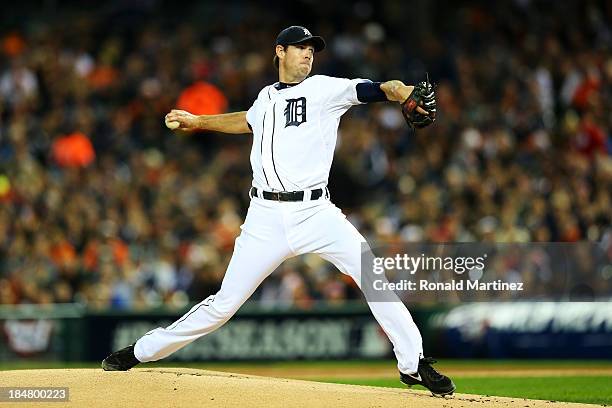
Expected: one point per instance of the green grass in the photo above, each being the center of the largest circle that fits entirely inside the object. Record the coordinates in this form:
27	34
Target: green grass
444	364
585	389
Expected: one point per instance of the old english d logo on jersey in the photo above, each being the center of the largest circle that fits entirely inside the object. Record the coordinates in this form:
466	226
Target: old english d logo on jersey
295	112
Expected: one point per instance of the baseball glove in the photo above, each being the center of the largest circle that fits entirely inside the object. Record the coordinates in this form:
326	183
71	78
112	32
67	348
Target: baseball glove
422	95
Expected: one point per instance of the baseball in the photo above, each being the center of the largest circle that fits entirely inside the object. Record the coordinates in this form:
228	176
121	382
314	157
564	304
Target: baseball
173	124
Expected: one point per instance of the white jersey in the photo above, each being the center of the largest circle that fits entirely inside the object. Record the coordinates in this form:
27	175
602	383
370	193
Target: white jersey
295	131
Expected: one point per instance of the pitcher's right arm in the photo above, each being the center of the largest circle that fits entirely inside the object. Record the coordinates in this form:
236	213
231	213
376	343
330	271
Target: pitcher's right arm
235	122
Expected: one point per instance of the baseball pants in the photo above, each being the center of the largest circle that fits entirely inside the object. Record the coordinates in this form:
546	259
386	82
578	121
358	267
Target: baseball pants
273	232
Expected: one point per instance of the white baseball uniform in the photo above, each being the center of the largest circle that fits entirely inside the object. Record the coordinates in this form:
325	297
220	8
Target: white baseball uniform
294	137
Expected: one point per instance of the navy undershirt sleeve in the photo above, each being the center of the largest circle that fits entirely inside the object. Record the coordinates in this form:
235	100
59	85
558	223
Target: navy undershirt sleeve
370	92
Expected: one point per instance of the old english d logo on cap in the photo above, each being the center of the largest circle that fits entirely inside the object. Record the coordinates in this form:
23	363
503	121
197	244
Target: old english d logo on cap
298	34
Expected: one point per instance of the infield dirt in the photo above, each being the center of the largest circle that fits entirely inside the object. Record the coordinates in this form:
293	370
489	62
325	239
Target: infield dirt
180	387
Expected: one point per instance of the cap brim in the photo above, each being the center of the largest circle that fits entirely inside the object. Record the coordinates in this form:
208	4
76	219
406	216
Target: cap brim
317	41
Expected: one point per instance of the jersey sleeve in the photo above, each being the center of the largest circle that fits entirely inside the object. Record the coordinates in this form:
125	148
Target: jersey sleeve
341	94
251	113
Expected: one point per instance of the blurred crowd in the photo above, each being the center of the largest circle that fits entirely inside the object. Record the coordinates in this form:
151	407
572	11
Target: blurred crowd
520	150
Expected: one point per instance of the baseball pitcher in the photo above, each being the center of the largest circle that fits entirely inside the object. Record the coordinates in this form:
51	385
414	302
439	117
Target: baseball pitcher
294	123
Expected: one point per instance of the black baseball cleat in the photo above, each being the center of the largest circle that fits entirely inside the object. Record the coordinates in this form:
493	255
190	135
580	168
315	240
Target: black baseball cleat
121	360
428	377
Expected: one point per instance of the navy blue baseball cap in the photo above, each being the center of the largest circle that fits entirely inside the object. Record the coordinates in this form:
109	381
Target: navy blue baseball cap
298	35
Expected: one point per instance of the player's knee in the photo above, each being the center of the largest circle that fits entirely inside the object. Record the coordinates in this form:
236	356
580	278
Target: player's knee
225	307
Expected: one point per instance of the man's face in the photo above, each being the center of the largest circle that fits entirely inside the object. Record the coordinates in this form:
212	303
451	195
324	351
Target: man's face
297	59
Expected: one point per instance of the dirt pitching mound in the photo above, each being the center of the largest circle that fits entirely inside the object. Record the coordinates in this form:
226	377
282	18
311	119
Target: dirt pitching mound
170	387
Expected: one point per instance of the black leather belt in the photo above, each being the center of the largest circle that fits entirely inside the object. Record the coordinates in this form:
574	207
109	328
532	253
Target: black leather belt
286	195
